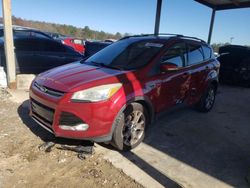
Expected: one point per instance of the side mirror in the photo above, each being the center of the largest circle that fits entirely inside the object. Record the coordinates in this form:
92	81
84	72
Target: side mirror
165	67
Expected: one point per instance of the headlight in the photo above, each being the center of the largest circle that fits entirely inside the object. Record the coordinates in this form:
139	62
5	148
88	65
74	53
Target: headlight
96	94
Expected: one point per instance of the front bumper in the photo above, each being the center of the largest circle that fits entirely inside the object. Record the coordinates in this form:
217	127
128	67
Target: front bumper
50	113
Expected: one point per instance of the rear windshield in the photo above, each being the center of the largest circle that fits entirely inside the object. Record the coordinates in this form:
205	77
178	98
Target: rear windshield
127	54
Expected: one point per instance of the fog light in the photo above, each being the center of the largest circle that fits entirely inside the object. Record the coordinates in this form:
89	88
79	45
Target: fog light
79	127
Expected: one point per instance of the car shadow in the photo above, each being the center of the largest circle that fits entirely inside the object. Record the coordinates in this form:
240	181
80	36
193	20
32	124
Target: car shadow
215	143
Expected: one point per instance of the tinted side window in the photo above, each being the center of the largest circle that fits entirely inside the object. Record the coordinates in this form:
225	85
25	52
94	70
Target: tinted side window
43	45
27	33
207	52
195	54
52	46
175	54
27	44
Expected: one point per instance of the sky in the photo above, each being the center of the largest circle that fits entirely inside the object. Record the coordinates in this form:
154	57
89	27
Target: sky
138	16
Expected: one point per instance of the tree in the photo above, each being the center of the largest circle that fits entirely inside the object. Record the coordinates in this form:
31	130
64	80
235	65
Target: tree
118	35
64	29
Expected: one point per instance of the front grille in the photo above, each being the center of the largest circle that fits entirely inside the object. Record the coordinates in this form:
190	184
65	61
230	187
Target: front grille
43	112
48	91
69	119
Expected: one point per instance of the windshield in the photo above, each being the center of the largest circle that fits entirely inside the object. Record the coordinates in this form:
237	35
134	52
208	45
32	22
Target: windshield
127	54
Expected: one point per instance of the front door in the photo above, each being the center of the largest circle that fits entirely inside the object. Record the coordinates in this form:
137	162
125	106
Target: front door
174	84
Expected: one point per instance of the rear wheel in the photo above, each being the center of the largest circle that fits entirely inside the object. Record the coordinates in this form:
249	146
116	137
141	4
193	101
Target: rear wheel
130	127
245	78
206	102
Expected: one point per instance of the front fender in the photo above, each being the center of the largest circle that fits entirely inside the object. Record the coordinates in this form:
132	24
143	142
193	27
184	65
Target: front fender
144	100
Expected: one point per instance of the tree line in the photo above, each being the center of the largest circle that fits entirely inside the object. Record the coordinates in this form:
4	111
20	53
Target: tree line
68	30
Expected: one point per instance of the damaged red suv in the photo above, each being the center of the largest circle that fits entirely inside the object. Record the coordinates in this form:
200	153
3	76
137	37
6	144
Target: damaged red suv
114	95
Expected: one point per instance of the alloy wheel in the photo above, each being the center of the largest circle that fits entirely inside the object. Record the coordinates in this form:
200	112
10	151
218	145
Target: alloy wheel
134	128
210	99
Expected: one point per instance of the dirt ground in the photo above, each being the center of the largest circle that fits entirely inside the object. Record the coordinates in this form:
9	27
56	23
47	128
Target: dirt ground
22	164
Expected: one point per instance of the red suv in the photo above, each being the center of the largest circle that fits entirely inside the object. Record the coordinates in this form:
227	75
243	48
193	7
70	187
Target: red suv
113	96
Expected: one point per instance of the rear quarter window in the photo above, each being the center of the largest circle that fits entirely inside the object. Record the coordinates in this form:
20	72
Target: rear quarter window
207	52
195	54
77	41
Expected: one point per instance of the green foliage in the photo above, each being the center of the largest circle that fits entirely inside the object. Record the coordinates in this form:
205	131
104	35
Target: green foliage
68	30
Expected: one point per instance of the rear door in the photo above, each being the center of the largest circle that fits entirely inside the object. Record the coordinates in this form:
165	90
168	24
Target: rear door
25	50
174	84
199	58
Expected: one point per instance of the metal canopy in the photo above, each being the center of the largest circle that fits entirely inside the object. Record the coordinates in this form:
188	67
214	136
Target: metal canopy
225	4
222	5
214	4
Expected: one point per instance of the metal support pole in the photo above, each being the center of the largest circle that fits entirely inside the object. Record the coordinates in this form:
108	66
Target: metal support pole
8	44
211	26
158	17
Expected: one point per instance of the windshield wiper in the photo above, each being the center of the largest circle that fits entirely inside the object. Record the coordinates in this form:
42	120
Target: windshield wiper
110	66
104	65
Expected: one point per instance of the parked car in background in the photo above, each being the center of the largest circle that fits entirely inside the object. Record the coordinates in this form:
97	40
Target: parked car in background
25	32
75	43
37	52
110	40
235	64
114	95
92	47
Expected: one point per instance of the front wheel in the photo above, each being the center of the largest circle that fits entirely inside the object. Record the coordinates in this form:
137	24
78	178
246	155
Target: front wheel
206	102
130	127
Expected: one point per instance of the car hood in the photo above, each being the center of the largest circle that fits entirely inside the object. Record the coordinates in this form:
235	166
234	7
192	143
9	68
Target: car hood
72	76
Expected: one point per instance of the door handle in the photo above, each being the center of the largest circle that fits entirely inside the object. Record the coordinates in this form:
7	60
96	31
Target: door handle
154	85
185	75
151	86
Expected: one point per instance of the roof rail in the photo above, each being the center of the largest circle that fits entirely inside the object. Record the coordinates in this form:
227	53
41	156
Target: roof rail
144	35
170	34
182	36
165	34
195	38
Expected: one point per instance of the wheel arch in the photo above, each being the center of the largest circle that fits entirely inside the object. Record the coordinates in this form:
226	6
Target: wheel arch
145	102
215	83
213	79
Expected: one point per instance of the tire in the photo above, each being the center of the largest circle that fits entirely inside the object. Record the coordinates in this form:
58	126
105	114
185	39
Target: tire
206	102
245	78
130	127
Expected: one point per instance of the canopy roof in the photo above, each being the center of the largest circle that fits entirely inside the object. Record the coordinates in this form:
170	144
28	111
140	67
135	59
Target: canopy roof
225	4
